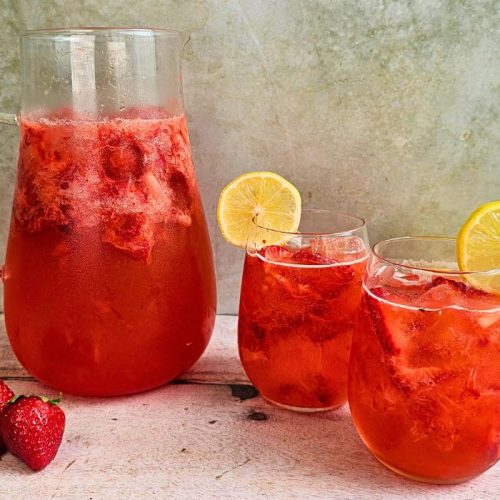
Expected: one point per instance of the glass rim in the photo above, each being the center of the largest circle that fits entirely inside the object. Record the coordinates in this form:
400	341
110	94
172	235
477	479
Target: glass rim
361	224
452	272
53	33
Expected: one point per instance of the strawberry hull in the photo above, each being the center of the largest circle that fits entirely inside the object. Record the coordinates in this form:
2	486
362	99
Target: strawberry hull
109	287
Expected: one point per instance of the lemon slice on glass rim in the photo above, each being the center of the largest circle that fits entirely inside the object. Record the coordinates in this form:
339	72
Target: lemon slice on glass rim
269	198
478	247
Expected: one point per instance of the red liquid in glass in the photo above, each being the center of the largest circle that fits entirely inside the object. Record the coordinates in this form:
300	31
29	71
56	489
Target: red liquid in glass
297	315
424	380
109	281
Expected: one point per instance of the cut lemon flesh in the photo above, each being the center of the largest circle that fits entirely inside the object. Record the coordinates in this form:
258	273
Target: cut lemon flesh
478	247
269	198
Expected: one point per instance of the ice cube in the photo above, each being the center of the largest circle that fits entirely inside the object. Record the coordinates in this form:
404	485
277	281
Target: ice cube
276	253
488	320
306	256
440	296
154	188
339	249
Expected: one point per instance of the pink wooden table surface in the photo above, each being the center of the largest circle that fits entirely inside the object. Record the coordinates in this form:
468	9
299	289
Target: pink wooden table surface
201	439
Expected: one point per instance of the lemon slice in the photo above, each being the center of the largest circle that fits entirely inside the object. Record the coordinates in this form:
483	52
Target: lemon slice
270	198
478	246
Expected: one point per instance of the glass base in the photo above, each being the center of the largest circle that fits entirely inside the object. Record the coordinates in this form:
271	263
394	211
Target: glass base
423	479
301	409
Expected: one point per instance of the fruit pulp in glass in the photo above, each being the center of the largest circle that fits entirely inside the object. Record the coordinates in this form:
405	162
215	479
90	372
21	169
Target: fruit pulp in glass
424	378
297	315
109	281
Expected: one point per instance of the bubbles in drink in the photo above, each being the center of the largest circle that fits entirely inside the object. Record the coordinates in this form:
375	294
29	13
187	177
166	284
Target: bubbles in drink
111	287
424	386
124	176
297	314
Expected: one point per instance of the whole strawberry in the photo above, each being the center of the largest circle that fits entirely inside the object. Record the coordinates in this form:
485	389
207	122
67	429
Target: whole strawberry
32	428
5	395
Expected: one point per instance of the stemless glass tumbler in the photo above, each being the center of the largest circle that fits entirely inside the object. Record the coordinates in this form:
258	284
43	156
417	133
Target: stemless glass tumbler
109	280
424	375
299	298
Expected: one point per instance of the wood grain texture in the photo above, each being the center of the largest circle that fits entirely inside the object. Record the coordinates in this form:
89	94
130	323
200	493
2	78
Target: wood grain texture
195	441
199	441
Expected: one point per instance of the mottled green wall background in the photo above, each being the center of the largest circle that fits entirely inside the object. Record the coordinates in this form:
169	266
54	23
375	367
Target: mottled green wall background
389	109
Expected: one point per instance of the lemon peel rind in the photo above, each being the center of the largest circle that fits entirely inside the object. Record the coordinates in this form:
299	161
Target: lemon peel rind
480	232
249	209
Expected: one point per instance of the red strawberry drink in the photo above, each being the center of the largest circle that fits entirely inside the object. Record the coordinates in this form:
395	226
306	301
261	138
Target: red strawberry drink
298	310
109	284
424	382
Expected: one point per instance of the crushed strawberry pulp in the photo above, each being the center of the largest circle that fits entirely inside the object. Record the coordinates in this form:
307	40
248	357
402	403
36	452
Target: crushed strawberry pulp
297	315
424	377
109	283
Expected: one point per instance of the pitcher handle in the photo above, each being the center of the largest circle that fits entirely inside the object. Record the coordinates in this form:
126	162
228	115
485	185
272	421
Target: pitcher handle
9	119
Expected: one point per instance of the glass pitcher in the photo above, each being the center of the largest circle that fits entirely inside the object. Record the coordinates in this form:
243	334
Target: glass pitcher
109	279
